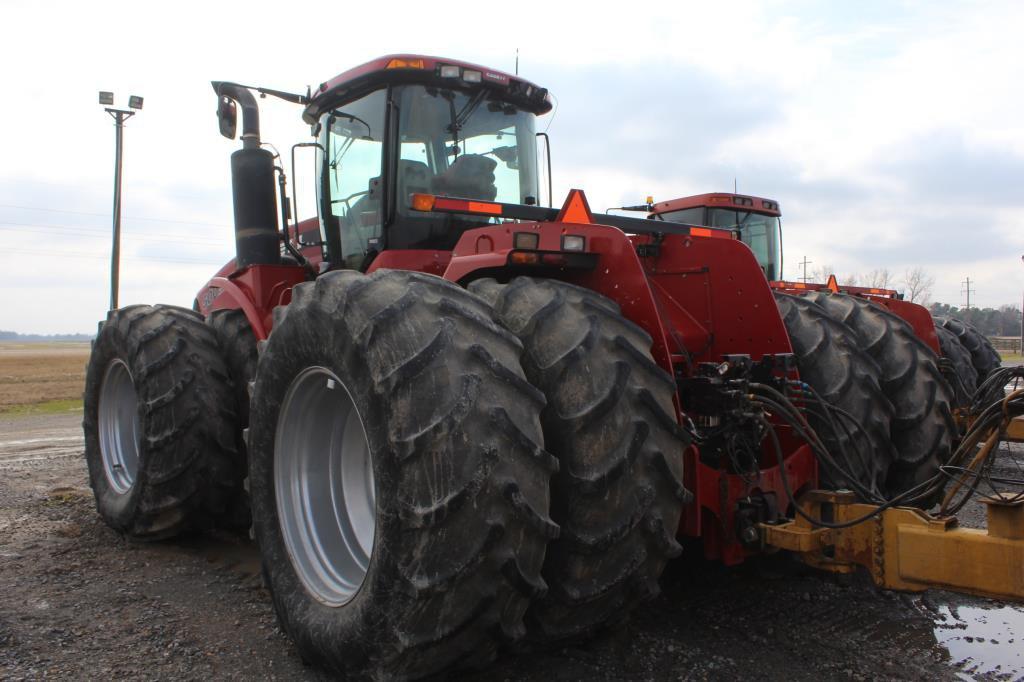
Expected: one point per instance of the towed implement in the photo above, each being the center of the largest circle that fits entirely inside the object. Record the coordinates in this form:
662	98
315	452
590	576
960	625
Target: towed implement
456	419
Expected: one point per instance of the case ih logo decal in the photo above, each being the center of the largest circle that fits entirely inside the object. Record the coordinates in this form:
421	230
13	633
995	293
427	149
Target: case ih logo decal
208	298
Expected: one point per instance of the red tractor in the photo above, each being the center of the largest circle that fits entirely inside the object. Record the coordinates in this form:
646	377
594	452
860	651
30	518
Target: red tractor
459	419
969	356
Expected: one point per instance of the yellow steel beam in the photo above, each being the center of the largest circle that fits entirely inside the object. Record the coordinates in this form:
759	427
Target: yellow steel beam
1015	430
906	549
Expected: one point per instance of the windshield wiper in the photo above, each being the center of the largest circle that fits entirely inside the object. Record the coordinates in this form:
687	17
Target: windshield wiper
459	119
336	114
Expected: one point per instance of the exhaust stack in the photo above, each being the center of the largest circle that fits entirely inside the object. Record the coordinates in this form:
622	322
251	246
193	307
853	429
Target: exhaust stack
257	239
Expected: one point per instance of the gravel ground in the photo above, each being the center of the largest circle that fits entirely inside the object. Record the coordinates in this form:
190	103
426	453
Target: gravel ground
77	601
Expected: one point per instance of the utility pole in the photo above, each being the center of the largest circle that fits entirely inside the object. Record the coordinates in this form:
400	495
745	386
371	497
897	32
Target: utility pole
119	116
804	263
968	291
1022	320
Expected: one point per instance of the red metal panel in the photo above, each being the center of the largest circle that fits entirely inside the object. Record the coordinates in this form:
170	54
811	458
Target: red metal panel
257	290
618	274
716	297
712	514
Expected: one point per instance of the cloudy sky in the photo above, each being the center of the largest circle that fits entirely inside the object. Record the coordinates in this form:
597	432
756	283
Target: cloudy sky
891	133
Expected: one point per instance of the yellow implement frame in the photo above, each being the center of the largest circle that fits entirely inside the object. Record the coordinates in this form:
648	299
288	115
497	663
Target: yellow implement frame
907	549
1015	430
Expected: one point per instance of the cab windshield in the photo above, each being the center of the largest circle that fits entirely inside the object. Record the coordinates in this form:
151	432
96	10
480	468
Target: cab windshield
759	232
447	142
459	144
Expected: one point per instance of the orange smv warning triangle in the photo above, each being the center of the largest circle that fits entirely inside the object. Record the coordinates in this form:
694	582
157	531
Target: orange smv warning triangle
575	209
832	285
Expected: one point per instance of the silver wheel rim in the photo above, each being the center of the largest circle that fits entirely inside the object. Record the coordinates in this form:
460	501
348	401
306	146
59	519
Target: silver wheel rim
323	478
119	427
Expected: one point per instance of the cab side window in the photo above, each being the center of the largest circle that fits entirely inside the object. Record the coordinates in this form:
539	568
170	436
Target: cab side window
353	159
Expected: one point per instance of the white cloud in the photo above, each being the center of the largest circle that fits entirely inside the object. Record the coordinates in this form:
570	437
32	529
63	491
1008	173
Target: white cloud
849	92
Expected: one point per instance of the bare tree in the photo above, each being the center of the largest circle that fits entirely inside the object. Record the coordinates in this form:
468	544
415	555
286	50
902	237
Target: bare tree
849	280
879	278
919	285
820	274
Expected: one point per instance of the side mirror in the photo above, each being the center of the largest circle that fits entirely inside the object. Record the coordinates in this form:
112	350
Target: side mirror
227	117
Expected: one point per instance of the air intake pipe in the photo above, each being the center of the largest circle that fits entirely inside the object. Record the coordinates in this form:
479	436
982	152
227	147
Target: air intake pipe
257	241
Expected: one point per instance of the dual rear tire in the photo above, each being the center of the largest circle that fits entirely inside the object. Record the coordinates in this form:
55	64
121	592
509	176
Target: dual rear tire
399	488
158	417
401	494
895	408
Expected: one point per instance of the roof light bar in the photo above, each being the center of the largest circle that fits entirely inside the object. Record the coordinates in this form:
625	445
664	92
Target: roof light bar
448	71
405	64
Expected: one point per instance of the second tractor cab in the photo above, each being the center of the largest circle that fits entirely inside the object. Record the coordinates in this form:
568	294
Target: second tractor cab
757	221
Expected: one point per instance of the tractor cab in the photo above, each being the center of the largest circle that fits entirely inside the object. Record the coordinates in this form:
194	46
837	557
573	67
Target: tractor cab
401	125
757	222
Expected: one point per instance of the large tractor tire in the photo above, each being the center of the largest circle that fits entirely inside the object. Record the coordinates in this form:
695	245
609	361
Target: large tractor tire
157	421
984	356
238	348
400	493
830	360
963	376
610	422
923	428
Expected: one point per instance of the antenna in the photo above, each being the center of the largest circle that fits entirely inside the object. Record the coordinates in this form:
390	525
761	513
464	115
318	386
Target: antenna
517	61
967	290
805	263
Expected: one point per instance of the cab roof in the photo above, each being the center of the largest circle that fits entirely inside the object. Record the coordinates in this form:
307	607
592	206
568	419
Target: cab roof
412	68
739	202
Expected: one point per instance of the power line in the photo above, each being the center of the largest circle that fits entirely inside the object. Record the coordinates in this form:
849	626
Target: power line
102	256
106	215
103	232
967	290
805	263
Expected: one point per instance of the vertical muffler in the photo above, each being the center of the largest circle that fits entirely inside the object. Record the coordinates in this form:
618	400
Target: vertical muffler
257	239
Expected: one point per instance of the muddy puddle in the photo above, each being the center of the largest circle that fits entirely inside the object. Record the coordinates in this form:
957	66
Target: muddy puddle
983	641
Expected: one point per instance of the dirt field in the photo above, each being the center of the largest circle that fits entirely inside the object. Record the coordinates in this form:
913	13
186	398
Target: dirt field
38	373
77	601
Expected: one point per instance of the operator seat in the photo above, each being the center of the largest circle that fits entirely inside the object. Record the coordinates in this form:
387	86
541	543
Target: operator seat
414	177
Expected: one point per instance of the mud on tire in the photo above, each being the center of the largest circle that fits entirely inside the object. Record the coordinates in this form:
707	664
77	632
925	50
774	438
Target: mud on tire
830	361
610	421
461	481
157	416
923	428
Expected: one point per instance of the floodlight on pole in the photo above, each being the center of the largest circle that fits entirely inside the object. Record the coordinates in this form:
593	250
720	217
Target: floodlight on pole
119	116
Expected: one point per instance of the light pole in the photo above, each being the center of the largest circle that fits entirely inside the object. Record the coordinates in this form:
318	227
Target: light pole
119	116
